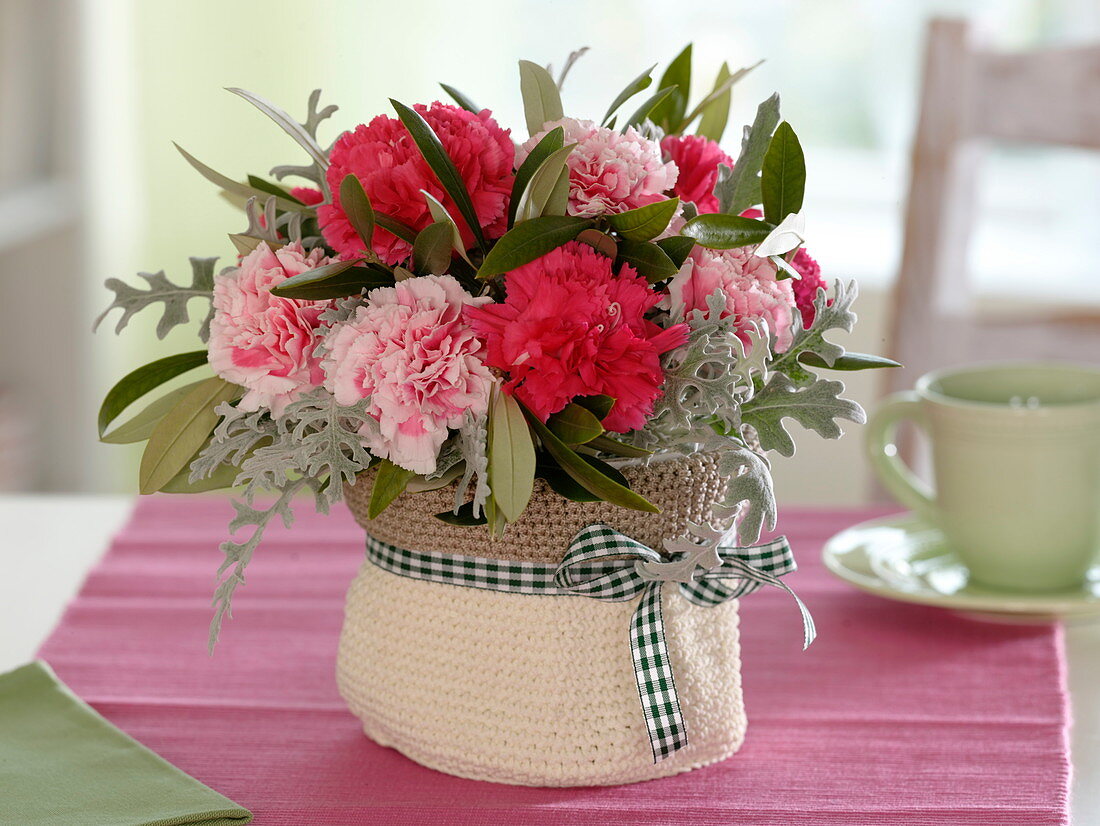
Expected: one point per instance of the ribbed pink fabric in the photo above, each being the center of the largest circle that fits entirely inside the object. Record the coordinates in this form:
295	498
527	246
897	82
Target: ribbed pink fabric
898	714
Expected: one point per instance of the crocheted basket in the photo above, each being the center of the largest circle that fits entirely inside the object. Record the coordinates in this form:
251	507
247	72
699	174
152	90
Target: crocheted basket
534	690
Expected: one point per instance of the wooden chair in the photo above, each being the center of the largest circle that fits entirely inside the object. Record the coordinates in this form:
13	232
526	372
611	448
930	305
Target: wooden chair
971	96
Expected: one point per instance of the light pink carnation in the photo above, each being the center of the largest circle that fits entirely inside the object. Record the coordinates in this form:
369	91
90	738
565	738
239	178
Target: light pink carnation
609	171
261	341
410	350
698	159
748	284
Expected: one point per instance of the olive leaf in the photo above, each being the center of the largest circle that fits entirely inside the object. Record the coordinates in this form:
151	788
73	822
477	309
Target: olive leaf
182	433
575	425
551	142
390	481
137	383
511	456
141	426
638	84
669	114
541	98
460	98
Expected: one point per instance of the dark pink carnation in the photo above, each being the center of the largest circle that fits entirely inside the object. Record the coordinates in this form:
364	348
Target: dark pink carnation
697	159
806	287
307	195
388	164
572	327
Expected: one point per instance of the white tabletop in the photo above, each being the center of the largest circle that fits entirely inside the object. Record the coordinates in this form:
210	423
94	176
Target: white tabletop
51	542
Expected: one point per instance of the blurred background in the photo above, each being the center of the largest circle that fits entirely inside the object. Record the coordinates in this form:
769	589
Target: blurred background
93	92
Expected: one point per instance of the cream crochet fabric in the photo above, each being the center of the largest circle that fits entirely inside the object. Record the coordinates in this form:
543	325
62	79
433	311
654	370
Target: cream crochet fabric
534	690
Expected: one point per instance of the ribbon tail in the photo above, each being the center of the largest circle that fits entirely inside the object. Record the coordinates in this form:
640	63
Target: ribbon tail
653	671
738	568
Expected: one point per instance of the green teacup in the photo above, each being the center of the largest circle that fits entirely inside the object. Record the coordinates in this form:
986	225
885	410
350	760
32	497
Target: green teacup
1016	462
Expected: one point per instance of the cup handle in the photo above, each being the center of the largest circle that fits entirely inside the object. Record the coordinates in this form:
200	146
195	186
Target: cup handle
882	450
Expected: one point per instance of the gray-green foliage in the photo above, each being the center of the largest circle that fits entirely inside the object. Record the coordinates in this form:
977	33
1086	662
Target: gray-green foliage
160	290
829	314
750	484
739	188
706	382
317	443
815	405
473	440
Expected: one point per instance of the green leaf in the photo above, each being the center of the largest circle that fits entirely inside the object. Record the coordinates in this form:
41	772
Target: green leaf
649	260
245	244
849	361
558	202
394	226
815	406
440	213
511	456
716	113
390	481
646	109
336	280
460	99
575	425
182	432
541	99
670	113
259	183
543	184
677	248
527	241
638	84
606	444
783	175
432	249
584	473
357	208
137	383
141	427
599	405
645	222
564	485
464	518
442	165
719	231
739	188
236	187
550	143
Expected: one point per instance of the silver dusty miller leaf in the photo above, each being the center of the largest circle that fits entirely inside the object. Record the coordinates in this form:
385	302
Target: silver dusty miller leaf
834	314
749	493
473	444
315	437
238	433
815	406
239	554
160	290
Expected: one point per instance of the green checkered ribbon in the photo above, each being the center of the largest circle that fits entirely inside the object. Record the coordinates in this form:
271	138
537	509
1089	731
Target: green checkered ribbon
607	565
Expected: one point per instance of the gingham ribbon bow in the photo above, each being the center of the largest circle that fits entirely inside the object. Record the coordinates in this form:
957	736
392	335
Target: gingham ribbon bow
604	564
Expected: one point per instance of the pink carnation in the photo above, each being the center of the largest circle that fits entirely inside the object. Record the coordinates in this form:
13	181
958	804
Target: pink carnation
697	158
609	171
409	349
388	164
806	287
261	341
748	285
572	327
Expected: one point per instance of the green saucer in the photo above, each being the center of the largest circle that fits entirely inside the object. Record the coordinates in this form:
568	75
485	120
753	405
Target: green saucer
903	558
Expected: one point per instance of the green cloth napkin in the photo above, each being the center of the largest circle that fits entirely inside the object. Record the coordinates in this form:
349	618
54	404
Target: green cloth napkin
61	763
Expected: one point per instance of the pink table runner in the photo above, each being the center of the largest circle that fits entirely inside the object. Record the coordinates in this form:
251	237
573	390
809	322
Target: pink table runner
896	715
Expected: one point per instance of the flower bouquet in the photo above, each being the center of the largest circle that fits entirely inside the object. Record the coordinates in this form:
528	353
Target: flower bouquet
545	377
